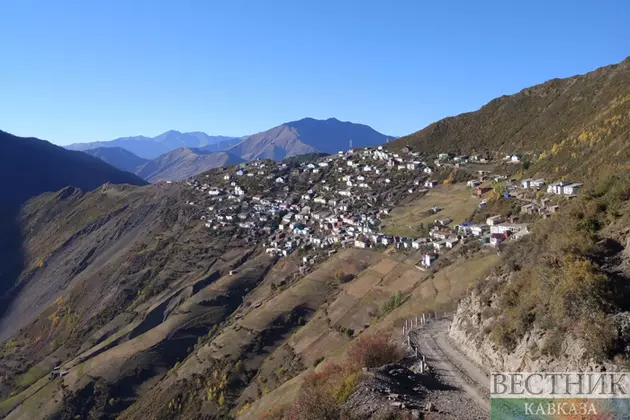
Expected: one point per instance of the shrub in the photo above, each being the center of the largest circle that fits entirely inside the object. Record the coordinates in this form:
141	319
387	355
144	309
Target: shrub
323	393
373	351
393	302
316	400
565	288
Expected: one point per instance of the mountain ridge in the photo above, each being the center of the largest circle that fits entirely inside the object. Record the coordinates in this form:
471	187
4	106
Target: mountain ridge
39	161
118	157
555	124
307	135
152	147
183	163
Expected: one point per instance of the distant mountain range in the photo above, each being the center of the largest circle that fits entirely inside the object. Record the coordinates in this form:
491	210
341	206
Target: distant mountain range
152	147
178	155
175	165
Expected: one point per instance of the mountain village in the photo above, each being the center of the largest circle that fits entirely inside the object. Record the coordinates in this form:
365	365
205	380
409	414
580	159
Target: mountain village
341	200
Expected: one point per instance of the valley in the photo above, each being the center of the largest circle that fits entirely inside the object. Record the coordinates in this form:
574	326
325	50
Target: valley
285	283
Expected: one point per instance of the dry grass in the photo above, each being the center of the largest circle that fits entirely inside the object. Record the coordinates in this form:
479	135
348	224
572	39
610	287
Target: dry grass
456	203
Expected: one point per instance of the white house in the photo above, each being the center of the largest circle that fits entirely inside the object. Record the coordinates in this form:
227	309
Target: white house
526	183
494	220
430	183
537	183
571	189
279	180
359	243
477	230
508	227
557	187
451	242
438	245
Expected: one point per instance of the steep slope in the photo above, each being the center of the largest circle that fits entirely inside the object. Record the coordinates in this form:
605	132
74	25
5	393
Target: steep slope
31	167
102	271
118	157
307	136
184	163
152	147
563	123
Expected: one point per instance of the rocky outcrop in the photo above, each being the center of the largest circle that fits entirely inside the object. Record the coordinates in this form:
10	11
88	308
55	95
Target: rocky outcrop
471	332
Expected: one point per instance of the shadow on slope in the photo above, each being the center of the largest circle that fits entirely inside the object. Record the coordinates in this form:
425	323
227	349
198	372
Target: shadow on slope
11	256
31	167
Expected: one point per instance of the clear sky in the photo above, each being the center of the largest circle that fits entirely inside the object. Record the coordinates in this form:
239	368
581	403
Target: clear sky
88	70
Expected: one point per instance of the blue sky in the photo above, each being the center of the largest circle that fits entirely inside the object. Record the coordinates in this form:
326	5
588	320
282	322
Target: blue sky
75	71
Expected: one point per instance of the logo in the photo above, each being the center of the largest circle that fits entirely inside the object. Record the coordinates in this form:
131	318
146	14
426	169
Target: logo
559	395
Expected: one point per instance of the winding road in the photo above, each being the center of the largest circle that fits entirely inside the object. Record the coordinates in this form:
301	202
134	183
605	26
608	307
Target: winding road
448	363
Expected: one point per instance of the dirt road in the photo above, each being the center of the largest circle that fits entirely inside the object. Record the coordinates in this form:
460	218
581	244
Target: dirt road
447	362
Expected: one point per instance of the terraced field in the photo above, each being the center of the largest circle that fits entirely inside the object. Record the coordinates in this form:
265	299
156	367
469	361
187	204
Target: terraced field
456	202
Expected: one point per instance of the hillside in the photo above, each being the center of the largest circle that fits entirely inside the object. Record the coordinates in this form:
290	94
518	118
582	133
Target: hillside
152	147
563	123
183	163
41	166
117	157
248	290
151	295
307	136
31	167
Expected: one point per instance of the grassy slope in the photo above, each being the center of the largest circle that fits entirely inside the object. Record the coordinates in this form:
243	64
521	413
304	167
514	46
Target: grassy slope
573	122
427	293
455	200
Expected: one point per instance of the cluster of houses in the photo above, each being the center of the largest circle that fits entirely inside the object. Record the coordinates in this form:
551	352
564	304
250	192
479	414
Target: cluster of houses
336	201
339	201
